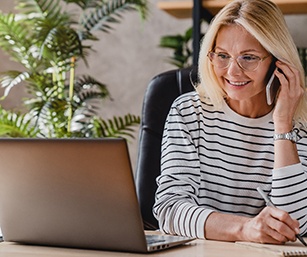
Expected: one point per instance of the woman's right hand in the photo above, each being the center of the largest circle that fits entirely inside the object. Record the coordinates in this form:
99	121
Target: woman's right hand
271	225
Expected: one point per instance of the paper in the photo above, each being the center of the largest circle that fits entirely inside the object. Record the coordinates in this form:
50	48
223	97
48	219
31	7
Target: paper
288	249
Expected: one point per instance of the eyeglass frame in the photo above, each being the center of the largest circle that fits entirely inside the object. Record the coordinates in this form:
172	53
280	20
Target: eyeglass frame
236	60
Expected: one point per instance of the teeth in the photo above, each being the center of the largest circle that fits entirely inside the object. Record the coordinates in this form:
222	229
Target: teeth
238	83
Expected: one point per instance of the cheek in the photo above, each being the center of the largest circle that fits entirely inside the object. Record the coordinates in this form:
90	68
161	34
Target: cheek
262	79
264	74
219	72
220	76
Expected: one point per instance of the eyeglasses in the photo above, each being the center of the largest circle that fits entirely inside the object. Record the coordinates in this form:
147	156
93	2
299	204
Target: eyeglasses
246	62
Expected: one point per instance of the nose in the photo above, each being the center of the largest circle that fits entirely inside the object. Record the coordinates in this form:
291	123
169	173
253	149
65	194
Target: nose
234	68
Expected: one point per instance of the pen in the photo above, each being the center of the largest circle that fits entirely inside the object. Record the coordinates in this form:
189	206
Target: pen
269	203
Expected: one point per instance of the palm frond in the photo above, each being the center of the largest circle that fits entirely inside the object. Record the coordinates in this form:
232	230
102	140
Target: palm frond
16	125
109	12
51	118
15	39
56	39
39	8
116	127
10	79
84	4
43	86
87	87
60	44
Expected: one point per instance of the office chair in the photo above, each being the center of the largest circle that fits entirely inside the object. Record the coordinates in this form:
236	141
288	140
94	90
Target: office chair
162	90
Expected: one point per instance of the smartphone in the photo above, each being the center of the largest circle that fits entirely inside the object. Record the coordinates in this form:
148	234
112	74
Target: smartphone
272	86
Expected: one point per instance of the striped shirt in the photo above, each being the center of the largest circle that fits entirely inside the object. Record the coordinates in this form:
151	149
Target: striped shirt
213	160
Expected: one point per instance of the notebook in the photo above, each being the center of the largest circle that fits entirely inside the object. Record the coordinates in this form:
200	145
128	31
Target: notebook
76	193
288	249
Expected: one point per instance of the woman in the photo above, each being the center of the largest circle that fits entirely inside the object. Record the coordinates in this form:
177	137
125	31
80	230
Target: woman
223	141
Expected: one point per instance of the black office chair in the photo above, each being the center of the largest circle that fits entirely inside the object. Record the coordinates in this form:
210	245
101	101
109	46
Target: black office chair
162	90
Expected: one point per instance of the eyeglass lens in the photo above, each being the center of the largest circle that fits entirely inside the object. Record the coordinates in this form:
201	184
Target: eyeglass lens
246	62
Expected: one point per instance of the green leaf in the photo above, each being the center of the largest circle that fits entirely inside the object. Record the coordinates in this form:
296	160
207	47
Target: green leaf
39	8
15	39
109	12
181	45
84	4
116	127
11	79
16	125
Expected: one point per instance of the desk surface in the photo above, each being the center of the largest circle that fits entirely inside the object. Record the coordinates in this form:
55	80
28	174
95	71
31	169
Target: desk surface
183	8
197	248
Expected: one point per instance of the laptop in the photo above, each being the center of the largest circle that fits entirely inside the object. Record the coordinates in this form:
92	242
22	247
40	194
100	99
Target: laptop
77	193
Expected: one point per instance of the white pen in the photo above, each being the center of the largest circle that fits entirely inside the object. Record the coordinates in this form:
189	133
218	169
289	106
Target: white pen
269	203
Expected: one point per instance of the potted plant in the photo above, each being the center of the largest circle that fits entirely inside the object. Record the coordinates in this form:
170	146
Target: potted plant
49	41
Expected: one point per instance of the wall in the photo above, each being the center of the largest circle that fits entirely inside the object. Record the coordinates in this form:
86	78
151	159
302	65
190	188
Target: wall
127	58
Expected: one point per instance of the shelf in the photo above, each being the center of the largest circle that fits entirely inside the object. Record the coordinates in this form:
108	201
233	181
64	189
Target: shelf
183	9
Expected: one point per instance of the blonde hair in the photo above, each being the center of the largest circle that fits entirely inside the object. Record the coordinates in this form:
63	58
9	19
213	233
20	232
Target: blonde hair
264	20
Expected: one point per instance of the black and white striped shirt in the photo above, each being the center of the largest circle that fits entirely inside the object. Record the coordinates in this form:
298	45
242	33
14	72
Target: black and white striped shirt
214	161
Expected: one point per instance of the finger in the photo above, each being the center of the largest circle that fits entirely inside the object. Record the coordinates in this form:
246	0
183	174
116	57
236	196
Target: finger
264	228
270	236
281	216
285	68
273	237
289	78
288	75
280	232
283	224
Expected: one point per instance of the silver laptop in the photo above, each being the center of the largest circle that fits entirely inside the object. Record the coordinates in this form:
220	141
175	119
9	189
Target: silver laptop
72	193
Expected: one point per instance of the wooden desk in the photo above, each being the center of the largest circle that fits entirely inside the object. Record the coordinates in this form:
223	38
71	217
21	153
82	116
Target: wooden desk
183	9
197	248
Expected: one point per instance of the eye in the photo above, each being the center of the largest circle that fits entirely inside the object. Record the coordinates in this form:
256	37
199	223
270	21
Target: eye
249	58
223	56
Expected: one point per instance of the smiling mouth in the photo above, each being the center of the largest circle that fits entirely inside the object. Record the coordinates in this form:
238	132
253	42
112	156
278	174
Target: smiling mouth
237	84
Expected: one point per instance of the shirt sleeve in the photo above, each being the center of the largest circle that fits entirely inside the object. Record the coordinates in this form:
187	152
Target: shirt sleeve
176	206
289	192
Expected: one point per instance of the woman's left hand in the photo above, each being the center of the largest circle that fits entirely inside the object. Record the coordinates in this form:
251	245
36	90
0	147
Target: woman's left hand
290	94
